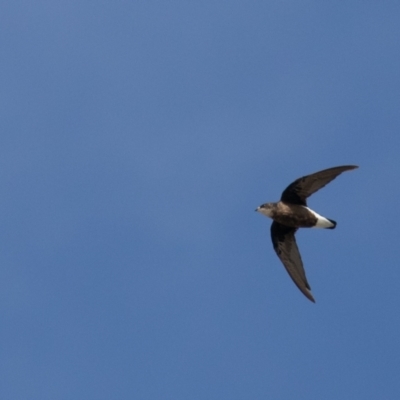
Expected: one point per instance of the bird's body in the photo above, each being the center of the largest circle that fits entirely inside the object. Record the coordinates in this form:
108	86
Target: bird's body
295	215
292	213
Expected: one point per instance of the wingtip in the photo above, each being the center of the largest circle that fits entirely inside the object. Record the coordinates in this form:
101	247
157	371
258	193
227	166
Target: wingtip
310	297
307	292
349	167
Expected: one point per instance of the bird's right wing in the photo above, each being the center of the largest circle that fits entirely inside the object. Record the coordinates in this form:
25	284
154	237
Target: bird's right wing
298	191
286	248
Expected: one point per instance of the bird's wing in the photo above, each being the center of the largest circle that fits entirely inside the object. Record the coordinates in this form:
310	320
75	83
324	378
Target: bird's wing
298	191
286	248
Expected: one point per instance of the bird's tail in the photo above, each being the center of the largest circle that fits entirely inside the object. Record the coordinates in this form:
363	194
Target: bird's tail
333	222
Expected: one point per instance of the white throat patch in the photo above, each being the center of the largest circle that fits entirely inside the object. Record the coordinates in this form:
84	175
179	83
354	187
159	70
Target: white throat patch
265	211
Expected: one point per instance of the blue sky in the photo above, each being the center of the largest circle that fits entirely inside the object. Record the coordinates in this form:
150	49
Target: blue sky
137	138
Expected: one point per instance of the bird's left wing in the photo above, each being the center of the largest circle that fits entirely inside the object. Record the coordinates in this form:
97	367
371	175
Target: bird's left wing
286	248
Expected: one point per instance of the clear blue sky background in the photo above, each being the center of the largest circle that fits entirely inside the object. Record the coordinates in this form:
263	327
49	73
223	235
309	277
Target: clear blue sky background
137	138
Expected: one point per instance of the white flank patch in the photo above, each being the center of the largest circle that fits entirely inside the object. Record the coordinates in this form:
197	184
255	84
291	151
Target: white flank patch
322	222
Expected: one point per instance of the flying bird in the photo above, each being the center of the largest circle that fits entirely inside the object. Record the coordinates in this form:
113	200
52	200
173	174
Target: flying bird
292	213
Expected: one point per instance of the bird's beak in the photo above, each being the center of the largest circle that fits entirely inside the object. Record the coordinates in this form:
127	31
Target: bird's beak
257	209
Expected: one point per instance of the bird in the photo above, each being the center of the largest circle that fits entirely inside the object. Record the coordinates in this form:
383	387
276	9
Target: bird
291	213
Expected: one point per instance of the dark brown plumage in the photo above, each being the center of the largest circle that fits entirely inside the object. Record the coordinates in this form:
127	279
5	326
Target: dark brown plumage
298	191
291	213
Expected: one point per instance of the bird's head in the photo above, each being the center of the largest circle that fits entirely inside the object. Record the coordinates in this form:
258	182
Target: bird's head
266	209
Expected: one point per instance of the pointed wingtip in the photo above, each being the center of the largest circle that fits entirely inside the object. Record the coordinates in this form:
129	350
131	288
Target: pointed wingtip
350	167
306	290
309	296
